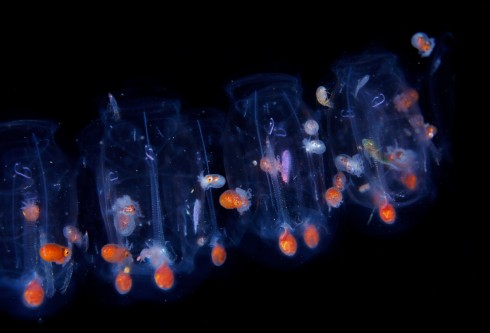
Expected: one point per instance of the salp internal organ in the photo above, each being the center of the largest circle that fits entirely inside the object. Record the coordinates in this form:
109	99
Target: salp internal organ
274	152
154	179
378	135
38	219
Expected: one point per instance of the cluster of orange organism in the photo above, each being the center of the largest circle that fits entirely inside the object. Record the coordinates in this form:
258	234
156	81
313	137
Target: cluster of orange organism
333	195
122	259
33	295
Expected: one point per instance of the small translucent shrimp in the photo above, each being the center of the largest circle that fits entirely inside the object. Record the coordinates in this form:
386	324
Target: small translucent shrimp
211	181
372	149
323	97
423	43
52	252
157	255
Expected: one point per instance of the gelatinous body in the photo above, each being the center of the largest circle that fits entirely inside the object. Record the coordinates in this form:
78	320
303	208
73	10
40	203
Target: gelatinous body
274	152
37	200
155	177
379	138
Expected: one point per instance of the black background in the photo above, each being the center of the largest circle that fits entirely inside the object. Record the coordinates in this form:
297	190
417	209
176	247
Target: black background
60	65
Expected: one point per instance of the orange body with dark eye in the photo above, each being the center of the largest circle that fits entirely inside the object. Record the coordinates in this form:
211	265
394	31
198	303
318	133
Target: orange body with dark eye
115	253
52	252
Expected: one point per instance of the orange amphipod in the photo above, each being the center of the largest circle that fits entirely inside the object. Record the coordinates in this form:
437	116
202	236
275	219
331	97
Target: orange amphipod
52	252
115	253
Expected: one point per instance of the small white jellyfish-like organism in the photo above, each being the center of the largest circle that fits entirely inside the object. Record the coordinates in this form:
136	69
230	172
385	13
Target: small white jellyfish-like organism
352	165
212	180
126	205
311	127
323	97
125	211
314	146
245	197
423	43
